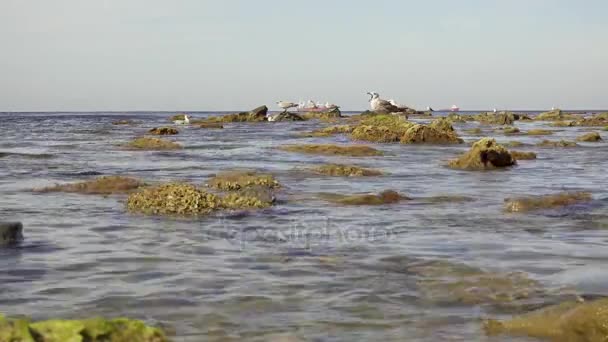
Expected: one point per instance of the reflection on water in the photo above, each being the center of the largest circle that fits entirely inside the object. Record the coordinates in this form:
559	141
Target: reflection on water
303	269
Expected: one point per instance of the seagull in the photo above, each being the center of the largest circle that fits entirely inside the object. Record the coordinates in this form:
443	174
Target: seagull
286	105
379	105
430	109
494	110
186	121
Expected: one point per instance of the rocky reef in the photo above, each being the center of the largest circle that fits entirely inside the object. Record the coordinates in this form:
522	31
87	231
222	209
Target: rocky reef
255	115
89	330
105	185
384	197
345	171
489	118
532	203
331	150
237	180
163	131
560	143
572	321
394	128
148	143
485	154
508	130
556	115
590	137
519	155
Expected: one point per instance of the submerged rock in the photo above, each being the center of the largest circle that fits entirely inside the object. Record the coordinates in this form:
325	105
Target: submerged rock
210	125
453	117
560	143
148	143
329	131
532	203
474	131
539	132
105	185
237	180
562	124
91	330
572	321
509	130
514	143
327	149
123	122
594	121
519	155
485	154
163	131
345	171
10	232
385	197
590	137
555	115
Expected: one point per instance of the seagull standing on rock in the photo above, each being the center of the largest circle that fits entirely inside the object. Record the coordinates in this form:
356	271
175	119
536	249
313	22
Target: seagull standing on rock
383	106
186	121
286	105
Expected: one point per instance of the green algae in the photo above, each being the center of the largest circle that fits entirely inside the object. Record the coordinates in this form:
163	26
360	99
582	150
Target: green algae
381	128
331	150
329	131
555	115
338	170
173	199
485	154
502	118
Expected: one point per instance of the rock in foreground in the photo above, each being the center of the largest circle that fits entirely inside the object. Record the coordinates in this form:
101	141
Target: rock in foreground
90	330
106	185
10	232
532	203
148	143
330	150
572	321
485	154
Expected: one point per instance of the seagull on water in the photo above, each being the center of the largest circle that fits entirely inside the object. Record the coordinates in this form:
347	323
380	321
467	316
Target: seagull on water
286	105
186	121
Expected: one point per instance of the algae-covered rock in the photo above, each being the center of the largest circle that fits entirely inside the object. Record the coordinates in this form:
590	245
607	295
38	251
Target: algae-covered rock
453	117
539	132
519	155
590	137
422	134
105	185
256	115
509	130
178	117
148	143
442	124
163	131
502	118
555	115
330	150
286	116
532	203
254	197
513	143
572	321
10	233
485	154
331	114
345	171
473	131
237	180
381	128
593	121
90	330
329	131
560	143
215	125
385	197
173	199
562	124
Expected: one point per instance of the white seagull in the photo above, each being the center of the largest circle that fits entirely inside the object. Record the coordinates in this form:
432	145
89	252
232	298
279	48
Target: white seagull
286	105
186	121
383	106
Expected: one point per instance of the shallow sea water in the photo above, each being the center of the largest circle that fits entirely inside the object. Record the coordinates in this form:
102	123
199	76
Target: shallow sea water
303	269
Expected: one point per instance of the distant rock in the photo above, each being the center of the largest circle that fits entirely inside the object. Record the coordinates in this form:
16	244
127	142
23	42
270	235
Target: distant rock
163	131
286	116
10	232
590	137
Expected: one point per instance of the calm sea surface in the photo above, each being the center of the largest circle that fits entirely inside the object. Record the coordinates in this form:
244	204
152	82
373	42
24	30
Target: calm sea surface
304	268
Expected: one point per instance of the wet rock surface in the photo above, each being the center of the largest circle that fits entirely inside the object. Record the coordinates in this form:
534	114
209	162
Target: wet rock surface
534	203
590	137
105	185
485	154
557	143
10	232
163	131
384	197
237	180
520	155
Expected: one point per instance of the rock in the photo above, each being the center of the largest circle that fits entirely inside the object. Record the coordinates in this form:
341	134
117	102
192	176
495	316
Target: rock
572	321
106	185
561	143
555	115
147	143
345	171
485	154
163	131
539	132
502	118
453	117
123	122
562	124
442	124
592	122
514	143
237	180
262	193
509	130
329	131
327	149
210	125
518	155
532	203
522	117
334	113
96	329
421	134
590	137
256	115
381	128
178	117
385	197
10	232
259	112
286	116
473	131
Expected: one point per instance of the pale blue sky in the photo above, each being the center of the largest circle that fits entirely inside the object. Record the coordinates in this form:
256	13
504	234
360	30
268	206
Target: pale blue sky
237	54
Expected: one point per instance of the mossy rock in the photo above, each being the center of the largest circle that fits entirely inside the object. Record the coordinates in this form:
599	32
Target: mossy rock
562	124
573	321
473	131
105	185
178	117
519	155
485	154
592	122
502	118
338	170
422	134
508	130
457	118
210	125
331	114
91	330
332	150
539	132
329	131
163	131
555	115
533	203
442	124
253	197
560	143
173	199
381	128
385	197
237	180
590	137
256	115
149	143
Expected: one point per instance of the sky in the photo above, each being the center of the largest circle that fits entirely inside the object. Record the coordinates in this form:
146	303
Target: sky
224	55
